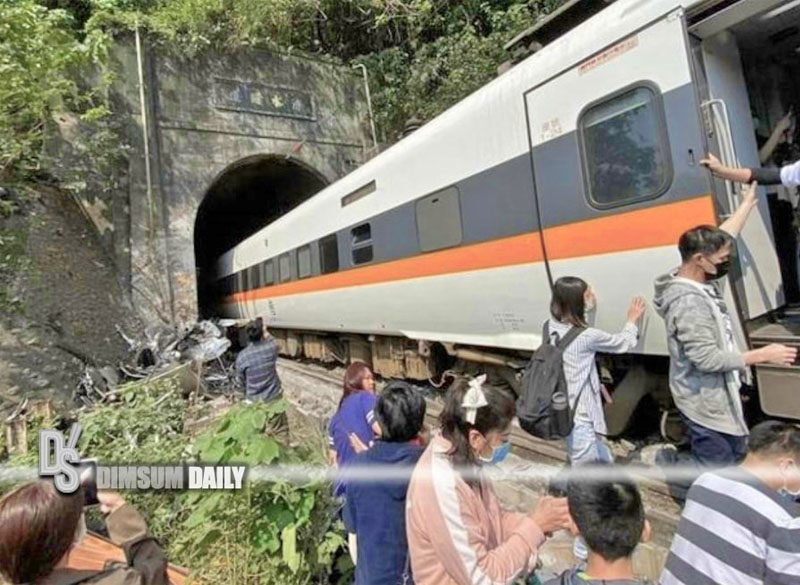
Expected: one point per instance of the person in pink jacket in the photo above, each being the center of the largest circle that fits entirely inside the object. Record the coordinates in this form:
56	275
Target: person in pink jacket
457	531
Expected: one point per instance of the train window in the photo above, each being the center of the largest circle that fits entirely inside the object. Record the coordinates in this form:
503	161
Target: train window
362	243
304	262
329	254
268	270
359	193
362	255
285	268
255	276
361	234
625	148
439	220
244	281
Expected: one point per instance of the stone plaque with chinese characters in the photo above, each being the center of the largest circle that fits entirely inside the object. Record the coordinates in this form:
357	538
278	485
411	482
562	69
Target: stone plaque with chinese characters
259	98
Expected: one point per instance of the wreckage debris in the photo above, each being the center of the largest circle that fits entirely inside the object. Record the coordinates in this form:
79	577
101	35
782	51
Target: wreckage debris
197	357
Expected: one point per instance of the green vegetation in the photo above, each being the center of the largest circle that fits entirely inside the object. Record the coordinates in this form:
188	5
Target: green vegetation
422	55
270	532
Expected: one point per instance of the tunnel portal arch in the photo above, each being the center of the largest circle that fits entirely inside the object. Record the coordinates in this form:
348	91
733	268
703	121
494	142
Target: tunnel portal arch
246	196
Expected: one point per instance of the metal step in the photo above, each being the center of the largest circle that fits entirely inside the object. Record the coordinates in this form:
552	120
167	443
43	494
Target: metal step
779	386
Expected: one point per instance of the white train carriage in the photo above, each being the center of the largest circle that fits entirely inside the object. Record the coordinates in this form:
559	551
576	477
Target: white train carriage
583	159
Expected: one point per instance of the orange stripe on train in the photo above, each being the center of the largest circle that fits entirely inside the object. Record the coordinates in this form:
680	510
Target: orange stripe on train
643	228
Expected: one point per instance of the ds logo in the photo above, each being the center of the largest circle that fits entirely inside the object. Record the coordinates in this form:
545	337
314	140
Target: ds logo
63	464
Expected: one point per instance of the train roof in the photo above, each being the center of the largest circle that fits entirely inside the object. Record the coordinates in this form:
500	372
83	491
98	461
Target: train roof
462	130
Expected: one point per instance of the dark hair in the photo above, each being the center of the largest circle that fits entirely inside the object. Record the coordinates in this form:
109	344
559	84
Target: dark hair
703	239
354	379
400	412
568	304
496	416
37	528
255	330
774	437
609	515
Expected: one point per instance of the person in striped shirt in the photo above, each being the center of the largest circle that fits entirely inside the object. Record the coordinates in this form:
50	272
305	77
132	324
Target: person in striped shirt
741	526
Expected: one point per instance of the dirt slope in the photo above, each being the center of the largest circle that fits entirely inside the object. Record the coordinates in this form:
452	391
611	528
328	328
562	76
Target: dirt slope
59	298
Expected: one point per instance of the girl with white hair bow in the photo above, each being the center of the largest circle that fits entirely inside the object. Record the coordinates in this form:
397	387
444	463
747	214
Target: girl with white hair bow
457	530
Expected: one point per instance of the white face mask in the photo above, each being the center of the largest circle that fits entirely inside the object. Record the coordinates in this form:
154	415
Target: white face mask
785	489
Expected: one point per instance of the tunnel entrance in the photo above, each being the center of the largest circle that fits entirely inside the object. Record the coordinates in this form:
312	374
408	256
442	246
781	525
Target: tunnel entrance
247	196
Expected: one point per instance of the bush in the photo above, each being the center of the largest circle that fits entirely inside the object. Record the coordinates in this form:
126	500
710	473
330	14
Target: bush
270	531
39	52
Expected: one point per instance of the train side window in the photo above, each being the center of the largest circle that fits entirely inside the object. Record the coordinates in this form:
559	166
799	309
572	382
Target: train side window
624	147
361	238
244	280
268	269
329	254
255	276
439	220
285	268
361	234
304	262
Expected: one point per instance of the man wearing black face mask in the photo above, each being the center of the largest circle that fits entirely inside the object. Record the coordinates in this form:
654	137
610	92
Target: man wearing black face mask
706	366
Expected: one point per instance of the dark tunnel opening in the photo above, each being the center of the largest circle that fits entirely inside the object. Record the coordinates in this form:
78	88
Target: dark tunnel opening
246	197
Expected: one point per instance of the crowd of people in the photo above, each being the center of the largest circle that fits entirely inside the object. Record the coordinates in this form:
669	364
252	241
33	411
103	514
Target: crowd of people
437	519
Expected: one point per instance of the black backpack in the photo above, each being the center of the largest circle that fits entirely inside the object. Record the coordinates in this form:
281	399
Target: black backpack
543	380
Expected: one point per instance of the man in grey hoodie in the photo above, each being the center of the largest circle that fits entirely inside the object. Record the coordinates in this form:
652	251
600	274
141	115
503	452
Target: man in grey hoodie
706	366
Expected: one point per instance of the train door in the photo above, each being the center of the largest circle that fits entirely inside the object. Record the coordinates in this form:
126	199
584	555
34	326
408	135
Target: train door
616	142
748	53
727	115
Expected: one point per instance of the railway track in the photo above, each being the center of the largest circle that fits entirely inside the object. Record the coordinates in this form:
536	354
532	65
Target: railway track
663	506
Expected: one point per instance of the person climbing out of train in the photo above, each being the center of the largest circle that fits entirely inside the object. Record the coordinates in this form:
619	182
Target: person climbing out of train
706	366
779	151
352	428
256	364
377	506
572	299
458	534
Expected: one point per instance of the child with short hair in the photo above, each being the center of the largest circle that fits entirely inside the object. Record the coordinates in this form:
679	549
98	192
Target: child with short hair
377	507
609	515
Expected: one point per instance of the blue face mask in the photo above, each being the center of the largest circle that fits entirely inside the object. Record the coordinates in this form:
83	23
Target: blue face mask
498	453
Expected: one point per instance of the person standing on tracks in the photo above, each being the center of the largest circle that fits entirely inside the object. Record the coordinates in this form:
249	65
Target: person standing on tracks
457	532
256	364
352	430
742	525
572	299
377	505
706	366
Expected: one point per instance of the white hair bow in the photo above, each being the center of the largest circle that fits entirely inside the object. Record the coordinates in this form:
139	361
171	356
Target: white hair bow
474	398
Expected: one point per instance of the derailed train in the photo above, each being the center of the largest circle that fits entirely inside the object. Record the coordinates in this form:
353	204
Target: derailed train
583	159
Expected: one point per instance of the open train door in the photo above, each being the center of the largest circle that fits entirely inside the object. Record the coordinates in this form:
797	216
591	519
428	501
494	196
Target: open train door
616	142
726	109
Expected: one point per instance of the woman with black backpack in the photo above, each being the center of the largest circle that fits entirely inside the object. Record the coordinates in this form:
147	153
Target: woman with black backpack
572	299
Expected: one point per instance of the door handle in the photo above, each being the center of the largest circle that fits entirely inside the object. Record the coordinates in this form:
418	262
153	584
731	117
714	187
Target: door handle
725	140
